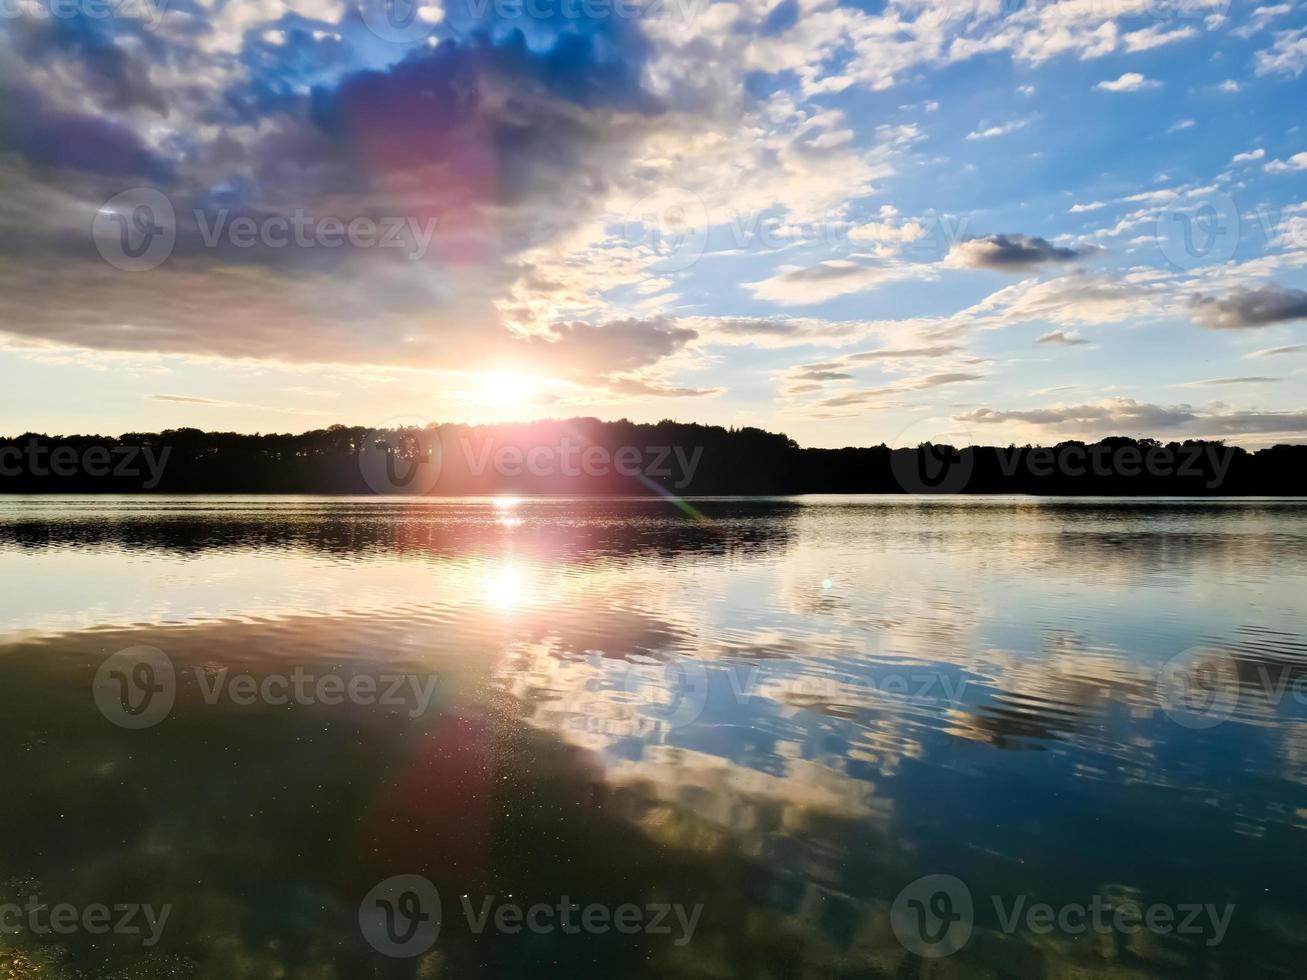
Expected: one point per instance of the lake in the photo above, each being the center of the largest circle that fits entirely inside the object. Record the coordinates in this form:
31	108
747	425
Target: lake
316	738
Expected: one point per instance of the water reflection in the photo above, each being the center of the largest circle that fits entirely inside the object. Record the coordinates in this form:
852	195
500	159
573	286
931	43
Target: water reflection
785	713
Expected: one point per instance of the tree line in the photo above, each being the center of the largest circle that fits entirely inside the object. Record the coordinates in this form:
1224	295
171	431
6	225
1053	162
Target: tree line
588	456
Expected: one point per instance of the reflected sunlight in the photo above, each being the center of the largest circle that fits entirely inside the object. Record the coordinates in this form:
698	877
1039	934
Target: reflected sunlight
506	586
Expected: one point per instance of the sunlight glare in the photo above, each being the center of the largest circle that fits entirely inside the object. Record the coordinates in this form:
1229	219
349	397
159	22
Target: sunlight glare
504	388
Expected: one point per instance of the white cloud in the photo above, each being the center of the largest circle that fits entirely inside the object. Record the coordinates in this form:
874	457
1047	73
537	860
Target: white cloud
797	285
1296	162
999	130
1155	37
1131	81
1288	56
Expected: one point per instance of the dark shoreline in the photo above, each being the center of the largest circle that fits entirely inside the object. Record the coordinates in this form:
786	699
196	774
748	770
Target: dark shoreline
586	457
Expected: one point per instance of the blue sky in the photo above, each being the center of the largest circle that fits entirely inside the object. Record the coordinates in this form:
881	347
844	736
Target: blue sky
852	222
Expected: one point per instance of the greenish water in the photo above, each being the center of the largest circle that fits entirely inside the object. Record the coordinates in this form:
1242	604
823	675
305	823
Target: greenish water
762	726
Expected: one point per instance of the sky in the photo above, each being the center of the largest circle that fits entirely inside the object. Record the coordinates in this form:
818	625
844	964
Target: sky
855	222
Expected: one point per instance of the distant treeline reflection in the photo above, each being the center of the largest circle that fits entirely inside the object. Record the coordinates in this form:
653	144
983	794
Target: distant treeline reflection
587	456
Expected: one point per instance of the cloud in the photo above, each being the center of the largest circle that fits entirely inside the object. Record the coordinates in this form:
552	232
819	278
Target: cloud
1155	37
1277	351
1247	380
1012	253
1287	56
1000	130
1181	124
1124	416
192	400
902	353
587	350
1250	307
1062	338
795	286
852	402
1129	82
1248	157
1296	162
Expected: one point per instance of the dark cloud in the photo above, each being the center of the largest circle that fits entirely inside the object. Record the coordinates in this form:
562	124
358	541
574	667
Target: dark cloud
1126	416
503	146
1061	338
113	79
587	349
1250	307
1013	253
54	139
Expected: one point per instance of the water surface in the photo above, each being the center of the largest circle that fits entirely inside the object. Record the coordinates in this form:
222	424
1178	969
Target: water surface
785	711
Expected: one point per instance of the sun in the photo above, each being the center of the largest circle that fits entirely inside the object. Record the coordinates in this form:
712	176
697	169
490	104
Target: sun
504	388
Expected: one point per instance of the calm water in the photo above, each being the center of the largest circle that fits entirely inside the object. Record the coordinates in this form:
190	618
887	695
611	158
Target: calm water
784	712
